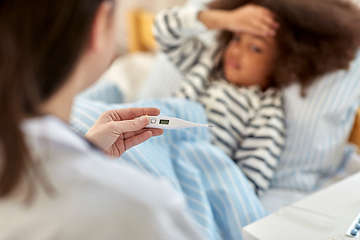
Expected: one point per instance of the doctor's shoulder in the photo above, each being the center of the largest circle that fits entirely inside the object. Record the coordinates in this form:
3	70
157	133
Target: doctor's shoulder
93	198
115	201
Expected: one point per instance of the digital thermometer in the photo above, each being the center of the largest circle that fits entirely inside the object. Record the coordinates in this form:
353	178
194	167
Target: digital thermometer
172	123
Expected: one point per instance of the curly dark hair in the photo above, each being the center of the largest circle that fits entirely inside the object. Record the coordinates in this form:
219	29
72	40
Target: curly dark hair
315	37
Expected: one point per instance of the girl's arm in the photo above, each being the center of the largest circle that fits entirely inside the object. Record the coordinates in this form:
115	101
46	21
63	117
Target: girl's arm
175	31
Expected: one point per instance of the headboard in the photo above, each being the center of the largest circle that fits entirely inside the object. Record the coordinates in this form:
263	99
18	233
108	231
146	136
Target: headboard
139	23
139	26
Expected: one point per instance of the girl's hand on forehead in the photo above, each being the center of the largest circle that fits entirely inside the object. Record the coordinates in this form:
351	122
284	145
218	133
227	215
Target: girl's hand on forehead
251	19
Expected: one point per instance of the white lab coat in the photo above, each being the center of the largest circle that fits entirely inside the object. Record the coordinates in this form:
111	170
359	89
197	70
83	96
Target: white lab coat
91	197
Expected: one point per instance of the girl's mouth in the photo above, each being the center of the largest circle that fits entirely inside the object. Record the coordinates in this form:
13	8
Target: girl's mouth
232	64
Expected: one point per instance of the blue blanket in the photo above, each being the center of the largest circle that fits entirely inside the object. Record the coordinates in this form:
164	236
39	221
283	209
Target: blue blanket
218	196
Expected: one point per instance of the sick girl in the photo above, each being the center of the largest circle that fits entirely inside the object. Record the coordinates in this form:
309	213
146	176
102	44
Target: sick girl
263	46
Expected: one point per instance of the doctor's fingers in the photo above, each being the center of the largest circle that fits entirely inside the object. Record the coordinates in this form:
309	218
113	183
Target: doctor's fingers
130	113
155	132
133	125
136	140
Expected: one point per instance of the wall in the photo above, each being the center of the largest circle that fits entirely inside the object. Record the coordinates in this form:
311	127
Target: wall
154	6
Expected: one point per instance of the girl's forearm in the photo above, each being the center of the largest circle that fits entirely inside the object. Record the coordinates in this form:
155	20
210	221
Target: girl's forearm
213	19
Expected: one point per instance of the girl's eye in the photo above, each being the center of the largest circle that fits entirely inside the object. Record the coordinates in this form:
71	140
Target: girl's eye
236	39
255	49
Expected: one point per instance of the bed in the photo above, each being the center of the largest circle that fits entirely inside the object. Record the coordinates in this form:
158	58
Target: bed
142	55
138	72
142	45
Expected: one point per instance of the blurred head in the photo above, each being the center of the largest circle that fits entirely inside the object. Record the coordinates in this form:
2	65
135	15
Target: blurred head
46	46
249	59
314	38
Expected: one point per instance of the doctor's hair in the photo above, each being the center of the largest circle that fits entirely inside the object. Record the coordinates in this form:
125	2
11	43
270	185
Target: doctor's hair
40	43
315	37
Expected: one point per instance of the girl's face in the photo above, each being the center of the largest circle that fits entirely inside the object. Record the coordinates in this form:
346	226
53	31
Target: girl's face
249	59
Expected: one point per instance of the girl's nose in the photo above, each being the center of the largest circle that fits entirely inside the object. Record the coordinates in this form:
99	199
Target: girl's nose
237	50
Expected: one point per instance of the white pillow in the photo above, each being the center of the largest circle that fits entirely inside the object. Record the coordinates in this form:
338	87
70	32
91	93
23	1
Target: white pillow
318	129
163	80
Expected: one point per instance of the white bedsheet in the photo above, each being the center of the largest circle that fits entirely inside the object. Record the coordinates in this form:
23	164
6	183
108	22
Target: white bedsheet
277	198
130	73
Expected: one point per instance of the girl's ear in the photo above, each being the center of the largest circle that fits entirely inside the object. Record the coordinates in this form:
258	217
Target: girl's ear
101	26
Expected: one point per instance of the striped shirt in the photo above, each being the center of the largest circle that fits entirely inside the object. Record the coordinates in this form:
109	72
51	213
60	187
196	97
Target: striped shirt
248	123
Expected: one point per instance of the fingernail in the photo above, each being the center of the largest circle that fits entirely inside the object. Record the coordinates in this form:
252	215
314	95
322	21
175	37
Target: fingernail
144	119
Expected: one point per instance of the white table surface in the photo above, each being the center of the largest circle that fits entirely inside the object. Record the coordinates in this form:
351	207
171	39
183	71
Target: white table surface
341	202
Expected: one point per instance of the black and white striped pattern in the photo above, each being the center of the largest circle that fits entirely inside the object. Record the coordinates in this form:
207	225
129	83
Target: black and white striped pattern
248	123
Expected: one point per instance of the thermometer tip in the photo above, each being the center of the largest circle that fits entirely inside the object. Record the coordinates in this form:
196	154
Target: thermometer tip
210	126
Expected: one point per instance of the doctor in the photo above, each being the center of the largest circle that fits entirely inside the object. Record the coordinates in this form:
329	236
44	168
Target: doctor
55	184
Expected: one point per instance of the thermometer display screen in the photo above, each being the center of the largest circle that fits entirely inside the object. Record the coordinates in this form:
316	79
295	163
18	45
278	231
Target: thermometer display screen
164	122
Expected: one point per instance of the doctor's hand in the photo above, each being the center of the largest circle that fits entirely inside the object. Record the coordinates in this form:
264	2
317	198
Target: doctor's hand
117	130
